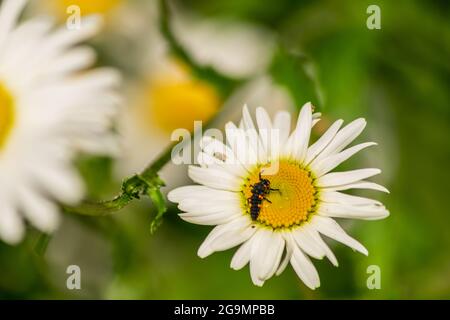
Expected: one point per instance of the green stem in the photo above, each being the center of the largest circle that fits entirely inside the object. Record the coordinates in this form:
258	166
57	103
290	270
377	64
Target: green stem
130	191
42	243
91	208
160	162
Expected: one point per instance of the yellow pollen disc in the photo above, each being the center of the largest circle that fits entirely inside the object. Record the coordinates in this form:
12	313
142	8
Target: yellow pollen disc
292	204
177	101
87	7
6	115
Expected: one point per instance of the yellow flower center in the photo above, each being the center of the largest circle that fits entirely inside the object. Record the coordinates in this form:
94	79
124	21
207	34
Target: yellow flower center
6	115
174	99
87	7
178	104
292	202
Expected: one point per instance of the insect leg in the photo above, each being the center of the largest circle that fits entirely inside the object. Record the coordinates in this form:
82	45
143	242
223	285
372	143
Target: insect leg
272	189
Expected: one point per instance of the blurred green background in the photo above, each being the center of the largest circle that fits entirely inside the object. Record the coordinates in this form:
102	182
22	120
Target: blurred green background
397	77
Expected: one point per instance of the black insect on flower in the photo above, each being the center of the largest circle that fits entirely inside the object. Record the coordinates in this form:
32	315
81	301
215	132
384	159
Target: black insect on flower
259	192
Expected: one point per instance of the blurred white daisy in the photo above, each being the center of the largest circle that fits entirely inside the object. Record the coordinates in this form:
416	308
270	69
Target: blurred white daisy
51	107
267	190
169	96
235	48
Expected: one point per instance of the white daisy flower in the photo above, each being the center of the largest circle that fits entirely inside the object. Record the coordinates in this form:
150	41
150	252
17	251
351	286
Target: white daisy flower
273	194
51	107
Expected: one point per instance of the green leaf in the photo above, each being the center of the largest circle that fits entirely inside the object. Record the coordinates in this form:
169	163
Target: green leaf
298	74
160	205
153	190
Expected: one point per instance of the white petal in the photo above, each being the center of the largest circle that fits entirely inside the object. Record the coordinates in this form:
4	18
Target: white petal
259	239
342	198
64	38
42	213
214	178
242	255
199	192
247	119
358	185
367	212
276	254
282	127
9	13
323	141
231	239
72	61
343	138
266	254
226	236
332	229
298	142
11	225
207	206
307	243
178	194
328	253
216	148
223	155
314	122
325	165
253	136
265	129
62	183
240	144
346	177
290	244
209	219
316	115
21	41
305	269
